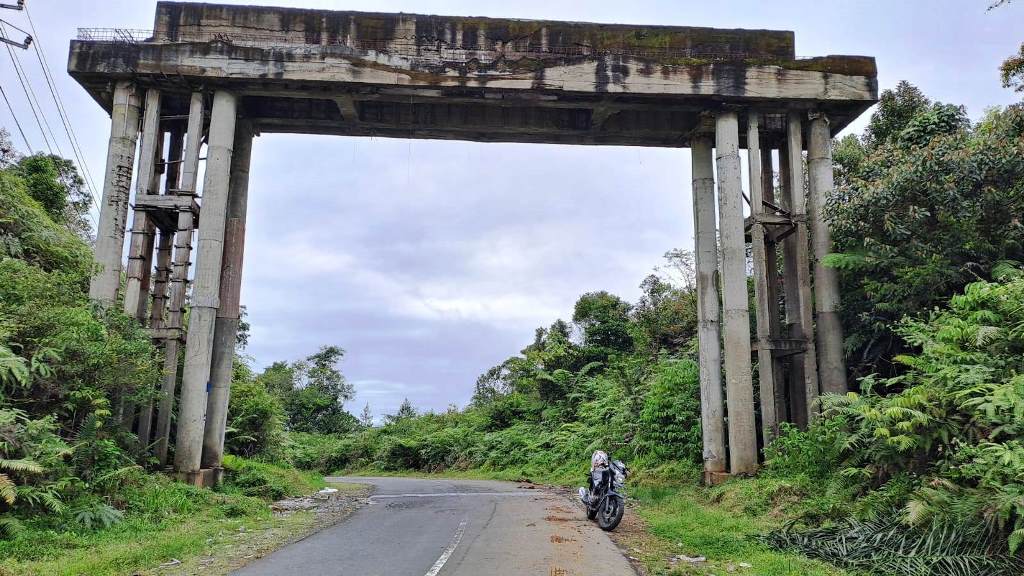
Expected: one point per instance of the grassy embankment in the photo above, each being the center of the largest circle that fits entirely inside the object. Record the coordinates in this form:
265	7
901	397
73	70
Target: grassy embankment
166	522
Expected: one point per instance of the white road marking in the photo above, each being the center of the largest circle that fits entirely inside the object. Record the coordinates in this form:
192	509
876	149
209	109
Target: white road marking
456	538
455	494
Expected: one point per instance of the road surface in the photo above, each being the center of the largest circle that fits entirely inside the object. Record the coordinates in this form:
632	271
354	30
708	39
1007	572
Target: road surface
417	527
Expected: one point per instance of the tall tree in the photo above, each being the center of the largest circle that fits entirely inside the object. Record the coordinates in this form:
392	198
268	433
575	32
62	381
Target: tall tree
925	203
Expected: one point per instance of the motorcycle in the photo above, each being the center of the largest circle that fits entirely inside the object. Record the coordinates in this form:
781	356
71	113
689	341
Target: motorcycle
606	499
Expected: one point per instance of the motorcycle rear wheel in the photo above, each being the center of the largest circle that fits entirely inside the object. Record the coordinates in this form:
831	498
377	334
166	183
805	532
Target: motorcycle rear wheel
610	514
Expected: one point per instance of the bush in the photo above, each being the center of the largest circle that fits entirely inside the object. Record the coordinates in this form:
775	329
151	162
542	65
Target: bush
323	453
397	453
670	426
266	481
255	417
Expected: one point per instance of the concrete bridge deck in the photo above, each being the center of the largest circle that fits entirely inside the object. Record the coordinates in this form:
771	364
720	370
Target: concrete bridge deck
480	79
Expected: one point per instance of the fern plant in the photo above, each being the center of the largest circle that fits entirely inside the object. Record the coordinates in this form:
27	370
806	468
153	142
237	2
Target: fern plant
94	514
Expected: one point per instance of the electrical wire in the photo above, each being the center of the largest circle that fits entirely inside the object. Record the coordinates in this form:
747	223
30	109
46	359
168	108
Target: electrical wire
15	117
69	128
26	89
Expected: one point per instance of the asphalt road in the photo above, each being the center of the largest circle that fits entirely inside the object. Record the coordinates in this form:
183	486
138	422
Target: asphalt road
416	527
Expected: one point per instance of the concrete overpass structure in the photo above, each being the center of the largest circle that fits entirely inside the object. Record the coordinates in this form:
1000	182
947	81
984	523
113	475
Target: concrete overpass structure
215	76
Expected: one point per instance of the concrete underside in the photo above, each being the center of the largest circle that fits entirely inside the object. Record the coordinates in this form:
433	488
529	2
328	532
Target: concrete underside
479	79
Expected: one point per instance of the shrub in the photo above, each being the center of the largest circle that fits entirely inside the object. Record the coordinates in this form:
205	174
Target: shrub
670	425
255	418
323	453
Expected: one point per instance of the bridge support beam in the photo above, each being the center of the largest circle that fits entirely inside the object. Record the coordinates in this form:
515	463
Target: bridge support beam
799	273
117	180
226	327
826	280
739	389
762	295
206	288
708	331
179	273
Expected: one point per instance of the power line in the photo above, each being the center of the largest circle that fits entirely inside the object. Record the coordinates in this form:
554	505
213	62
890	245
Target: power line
69	129
15	117
27	90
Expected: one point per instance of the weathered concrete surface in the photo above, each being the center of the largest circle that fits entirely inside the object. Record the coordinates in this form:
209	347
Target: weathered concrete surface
708	330
481	79
117	180
225	331
739	387
485	527
826	279
799	245
763	309
195	381
179	272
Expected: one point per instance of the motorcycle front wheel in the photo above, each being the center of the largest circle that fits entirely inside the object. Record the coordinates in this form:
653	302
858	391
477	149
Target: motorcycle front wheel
610	514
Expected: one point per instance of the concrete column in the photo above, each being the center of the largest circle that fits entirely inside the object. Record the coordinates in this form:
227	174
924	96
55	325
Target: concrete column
226	328
794	155
134	304
117	180
765	368
771	264
832	366
206	287
156	320
708	333
796	384
739	388
179	272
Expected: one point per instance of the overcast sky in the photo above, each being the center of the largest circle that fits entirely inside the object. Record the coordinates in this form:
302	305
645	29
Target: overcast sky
430	261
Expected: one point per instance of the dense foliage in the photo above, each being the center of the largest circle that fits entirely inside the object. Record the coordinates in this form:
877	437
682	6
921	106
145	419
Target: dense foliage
925	204
64	365
72	476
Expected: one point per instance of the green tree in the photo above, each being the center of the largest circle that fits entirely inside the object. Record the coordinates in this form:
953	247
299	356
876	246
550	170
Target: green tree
1012	71
924	204
55	183
313	392
405	411
604	320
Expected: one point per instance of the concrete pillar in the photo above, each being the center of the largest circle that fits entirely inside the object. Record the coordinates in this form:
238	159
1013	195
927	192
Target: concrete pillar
765	368
206	287
832	367
179	273
739	388
708	334
794	155
797	385
134	303
156	320
226	328
117	180
771	264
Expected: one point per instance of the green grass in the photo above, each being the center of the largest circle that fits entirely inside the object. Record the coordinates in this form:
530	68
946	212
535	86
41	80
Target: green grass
686	521
163	521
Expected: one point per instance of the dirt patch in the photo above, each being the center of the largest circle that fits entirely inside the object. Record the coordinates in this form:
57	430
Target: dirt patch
293	519
556	539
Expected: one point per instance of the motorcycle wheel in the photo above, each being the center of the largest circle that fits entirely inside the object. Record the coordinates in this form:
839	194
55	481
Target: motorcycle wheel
610	514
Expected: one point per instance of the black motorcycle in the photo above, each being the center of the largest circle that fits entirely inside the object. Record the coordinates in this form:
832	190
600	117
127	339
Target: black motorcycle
606	498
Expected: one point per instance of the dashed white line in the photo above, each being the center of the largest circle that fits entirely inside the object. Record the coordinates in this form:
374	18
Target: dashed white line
451	494
443	559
